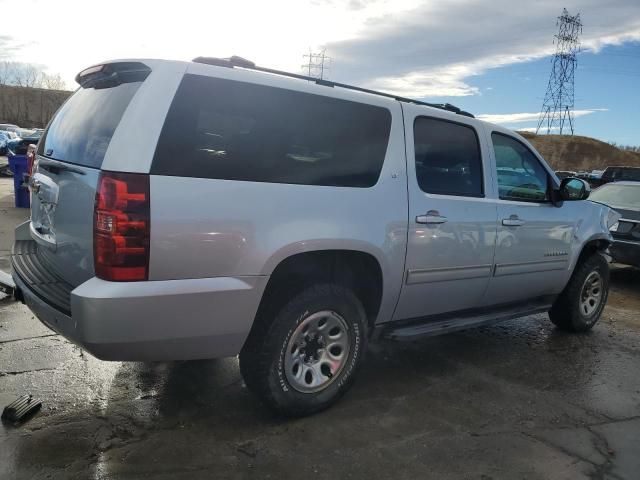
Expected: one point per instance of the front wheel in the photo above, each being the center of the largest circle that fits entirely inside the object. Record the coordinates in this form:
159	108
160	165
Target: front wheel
580	305
303	356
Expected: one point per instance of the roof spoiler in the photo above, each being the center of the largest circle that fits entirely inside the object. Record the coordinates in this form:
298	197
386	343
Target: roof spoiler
112	74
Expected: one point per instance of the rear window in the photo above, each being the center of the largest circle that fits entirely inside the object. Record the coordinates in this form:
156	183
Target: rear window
621	173
81	130
224	129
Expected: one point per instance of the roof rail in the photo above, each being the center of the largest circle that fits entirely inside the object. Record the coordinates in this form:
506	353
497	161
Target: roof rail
240	62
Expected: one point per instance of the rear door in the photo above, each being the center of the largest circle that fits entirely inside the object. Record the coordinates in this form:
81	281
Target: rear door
70	155
452	222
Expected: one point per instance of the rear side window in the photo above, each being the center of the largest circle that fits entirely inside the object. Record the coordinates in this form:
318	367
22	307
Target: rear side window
448	158
224	129
617	174
82	128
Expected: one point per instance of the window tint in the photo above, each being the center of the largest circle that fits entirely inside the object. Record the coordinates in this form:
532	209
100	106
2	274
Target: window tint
81	130
614	174
521	177
448	158
224	129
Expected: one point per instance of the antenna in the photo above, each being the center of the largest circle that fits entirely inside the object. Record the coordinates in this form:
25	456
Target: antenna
317	65
557	107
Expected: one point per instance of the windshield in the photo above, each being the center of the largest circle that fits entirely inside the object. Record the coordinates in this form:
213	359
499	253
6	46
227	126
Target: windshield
623	196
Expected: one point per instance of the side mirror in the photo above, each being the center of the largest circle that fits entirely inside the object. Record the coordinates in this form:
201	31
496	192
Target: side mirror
572	188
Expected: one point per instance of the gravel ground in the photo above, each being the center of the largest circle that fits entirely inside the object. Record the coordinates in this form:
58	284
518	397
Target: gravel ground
516	400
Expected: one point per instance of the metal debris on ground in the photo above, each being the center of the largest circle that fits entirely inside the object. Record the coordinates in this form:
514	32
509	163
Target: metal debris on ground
7	285
22	409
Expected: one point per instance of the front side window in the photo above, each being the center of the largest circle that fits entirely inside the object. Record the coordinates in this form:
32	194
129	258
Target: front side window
230	130
521	177
447	157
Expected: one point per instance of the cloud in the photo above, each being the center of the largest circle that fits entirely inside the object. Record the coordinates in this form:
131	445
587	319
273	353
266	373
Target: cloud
445	81
533	129
8	47
509	118
436	48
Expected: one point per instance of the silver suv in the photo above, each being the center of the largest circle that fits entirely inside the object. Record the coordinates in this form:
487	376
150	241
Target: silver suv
185	210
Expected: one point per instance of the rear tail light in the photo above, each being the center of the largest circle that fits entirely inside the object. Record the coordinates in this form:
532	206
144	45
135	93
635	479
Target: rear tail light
121	227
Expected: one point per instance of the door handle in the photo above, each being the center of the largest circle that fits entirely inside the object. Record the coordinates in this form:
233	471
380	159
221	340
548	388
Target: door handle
512	221
432	217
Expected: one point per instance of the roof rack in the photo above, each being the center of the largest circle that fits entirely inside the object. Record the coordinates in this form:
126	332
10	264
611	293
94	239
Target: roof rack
240	62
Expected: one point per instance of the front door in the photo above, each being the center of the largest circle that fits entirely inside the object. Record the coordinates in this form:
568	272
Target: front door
452	225
534	236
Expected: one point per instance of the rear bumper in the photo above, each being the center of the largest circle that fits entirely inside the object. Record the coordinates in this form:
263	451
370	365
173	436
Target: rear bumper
159	320
626	251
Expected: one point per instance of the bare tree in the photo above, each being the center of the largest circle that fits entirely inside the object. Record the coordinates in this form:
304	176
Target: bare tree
29	75
5	72
53	82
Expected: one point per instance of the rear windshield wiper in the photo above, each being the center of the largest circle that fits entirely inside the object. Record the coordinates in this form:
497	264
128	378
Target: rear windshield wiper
55	166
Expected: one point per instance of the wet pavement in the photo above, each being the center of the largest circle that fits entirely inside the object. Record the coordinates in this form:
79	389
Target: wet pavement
517	400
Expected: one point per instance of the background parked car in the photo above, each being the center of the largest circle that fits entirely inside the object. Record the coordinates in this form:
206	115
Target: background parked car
616	174
624	197
10	127
595	178
10	134
565	173
19	146
4	138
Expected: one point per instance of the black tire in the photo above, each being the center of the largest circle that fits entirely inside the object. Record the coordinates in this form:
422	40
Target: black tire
262	360
568	312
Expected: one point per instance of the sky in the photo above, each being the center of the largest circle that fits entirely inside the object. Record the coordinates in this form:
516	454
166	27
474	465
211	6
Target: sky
492	58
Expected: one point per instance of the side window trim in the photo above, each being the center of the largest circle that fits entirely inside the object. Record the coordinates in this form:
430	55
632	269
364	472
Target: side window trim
483	189
549	181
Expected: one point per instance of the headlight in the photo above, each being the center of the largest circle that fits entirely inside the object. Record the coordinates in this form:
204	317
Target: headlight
612	218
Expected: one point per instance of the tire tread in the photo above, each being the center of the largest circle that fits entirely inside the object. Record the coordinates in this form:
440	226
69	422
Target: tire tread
564	313
256	357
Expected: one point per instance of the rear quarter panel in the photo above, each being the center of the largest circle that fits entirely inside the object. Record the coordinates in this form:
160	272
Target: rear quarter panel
134	142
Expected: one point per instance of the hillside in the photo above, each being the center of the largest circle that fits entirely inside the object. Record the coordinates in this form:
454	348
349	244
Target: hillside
29	107
576	153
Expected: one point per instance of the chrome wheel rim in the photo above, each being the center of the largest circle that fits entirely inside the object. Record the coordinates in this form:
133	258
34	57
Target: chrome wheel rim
317	352
591	295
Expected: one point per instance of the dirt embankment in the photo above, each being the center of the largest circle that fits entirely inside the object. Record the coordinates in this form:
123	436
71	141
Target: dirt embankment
29	107
576	153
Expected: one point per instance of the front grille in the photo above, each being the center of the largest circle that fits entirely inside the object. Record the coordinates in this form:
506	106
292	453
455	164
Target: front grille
28	265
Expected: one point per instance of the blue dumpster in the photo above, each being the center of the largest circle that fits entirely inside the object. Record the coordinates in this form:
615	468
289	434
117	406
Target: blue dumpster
20	167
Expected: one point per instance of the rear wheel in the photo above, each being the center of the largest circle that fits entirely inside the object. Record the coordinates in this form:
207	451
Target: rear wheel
302	357
581	303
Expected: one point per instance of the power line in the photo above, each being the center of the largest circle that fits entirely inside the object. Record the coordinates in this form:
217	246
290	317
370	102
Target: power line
317	65
557	107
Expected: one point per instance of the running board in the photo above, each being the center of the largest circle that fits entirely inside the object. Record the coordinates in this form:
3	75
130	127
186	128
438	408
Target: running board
430	326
